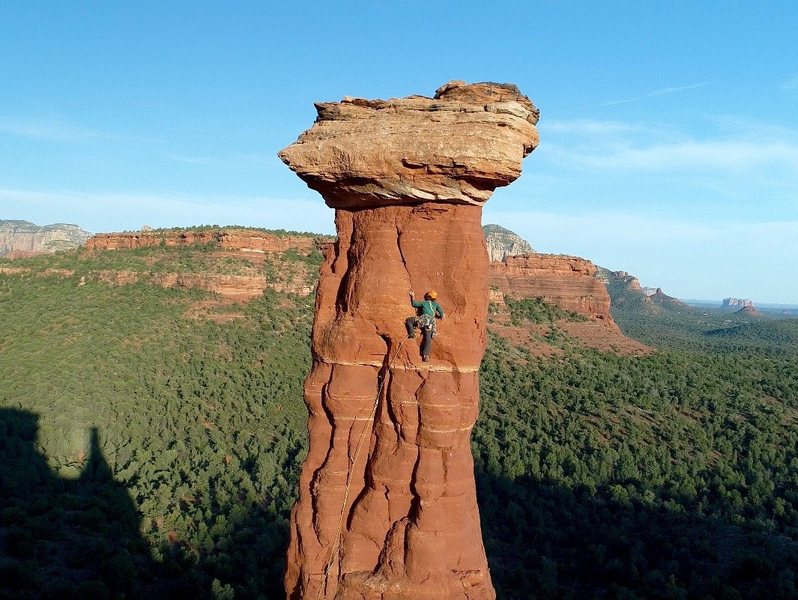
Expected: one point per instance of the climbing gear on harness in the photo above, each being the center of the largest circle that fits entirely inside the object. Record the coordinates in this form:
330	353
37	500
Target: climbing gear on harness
426	321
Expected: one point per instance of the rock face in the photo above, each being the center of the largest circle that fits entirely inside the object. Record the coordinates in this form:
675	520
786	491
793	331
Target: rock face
627	294
736	303
232	239
387	503
253	247
502	243
22	238
748	311
570	282
623	277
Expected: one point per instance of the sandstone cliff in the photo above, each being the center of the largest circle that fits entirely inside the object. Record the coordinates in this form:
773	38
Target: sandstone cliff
236	264
22	238
253	251
748	311
387	503
243	239
570	282
502	243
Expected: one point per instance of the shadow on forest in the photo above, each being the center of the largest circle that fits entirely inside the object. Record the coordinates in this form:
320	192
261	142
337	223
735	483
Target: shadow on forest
80	538
65	538
548	541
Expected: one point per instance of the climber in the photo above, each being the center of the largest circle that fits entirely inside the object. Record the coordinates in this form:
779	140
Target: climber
425	321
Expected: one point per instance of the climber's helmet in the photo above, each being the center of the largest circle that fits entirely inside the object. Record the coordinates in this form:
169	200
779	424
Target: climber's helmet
431	295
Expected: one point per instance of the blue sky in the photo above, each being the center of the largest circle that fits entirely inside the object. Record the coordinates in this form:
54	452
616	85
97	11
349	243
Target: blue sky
669	130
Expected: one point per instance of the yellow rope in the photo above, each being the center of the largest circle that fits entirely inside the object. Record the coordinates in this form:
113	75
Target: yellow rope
334	547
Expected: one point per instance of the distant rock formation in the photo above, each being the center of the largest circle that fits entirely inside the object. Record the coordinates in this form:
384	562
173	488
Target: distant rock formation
736	303
663	300
232	287
248	240
748	311
407	178
626	293
502	243
250	245
623	277
570	282
22	238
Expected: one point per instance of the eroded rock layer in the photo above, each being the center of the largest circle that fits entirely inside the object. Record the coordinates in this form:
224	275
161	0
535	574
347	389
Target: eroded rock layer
457	147
569	282
21	239
387	502
503	243
246	240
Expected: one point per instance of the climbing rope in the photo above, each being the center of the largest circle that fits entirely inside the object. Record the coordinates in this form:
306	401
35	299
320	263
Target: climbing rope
334	547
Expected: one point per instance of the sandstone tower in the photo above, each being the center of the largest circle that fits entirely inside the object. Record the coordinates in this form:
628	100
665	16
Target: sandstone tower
387	503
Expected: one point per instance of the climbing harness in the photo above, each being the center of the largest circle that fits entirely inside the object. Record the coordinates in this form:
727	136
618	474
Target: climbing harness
426	322
380	389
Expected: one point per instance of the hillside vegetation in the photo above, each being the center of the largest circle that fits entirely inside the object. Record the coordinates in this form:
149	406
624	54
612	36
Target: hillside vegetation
148	452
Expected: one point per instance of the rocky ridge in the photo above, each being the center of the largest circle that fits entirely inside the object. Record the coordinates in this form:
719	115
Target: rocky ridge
502	243
736	303
252	247
387	500
570	282
235	264
238	239
626	293
22	238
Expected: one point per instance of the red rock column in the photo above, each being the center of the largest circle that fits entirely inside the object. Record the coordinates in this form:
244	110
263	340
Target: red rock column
387	506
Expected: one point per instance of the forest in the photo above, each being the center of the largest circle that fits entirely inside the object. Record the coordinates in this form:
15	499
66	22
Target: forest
146	451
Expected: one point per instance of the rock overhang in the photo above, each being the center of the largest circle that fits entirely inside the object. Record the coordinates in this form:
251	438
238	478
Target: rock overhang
455	148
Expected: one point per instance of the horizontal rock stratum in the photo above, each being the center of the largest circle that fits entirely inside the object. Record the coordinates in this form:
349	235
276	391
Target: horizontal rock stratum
19	239
247	240
387	502
569	282
456	147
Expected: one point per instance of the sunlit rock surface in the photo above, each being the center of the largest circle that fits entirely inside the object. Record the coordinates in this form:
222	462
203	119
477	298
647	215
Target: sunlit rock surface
387	503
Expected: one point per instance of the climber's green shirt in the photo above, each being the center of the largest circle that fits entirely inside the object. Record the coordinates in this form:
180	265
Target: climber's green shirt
428	307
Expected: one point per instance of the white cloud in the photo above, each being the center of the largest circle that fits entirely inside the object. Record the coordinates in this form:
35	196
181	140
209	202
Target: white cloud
726	155
222	161
614	145
663	92
52	130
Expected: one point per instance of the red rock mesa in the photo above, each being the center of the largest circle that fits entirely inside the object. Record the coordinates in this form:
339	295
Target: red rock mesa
387	503
233	239
569	282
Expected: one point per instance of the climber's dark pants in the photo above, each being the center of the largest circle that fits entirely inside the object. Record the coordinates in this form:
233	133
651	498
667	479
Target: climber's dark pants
426	345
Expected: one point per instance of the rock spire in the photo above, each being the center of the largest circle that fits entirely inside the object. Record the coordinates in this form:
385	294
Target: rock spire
387	503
